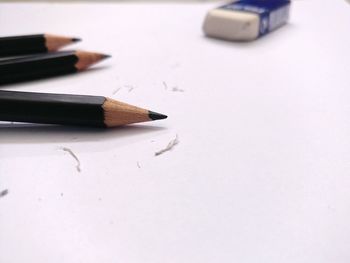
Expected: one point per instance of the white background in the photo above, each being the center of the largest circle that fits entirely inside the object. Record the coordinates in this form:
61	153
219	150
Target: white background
262	171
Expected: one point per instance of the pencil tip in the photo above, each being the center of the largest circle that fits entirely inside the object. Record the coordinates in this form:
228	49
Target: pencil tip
87	59
156	116
105	56
75	39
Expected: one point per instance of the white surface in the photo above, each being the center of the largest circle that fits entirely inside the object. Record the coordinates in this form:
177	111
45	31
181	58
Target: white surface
262	171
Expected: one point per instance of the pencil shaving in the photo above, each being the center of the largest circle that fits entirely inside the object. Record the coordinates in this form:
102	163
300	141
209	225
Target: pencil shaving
130	87
176	65
165	85
115	91
169	147
176	89
4	193
74	156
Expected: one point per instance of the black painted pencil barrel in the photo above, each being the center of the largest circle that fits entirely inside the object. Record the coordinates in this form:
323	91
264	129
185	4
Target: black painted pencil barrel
33	44
47	65
38	63
19	45
36	67
52	108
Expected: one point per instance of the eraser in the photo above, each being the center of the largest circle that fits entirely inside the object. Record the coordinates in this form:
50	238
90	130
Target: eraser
246	20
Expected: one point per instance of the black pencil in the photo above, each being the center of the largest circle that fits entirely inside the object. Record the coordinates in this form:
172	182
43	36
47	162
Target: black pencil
65	109
31	44
47	65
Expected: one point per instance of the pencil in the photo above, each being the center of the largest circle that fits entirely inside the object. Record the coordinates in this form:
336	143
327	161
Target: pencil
66	109
46	65
31	44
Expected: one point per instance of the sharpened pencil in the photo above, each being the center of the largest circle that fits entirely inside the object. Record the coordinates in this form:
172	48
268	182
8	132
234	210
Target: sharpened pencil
47	65
66	109
31	44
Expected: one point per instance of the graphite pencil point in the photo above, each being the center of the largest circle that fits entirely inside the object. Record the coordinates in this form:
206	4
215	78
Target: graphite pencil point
156	116
105	56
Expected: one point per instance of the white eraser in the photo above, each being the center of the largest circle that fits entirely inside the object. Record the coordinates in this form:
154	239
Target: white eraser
246	20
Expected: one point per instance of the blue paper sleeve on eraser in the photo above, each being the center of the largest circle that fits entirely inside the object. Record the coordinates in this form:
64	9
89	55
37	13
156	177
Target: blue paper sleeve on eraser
272	13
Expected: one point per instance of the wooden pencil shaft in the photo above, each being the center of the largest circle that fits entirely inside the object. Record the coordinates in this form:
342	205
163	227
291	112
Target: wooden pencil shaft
52	108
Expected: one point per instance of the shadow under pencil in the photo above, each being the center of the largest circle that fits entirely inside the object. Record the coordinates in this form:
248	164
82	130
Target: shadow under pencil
22	133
